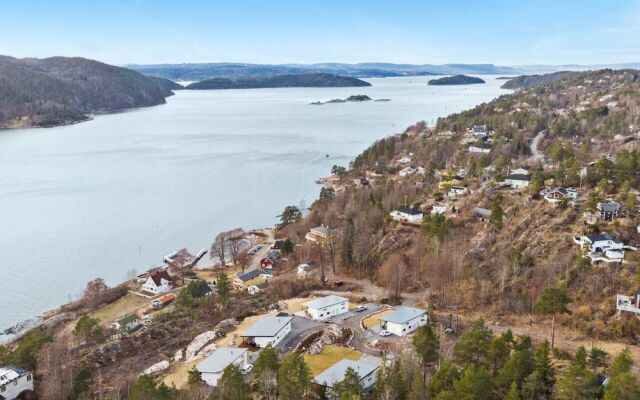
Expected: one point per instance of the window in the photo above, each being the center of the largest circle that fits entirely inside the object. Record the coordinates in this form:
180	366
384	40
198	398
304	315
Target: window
3	388
28	377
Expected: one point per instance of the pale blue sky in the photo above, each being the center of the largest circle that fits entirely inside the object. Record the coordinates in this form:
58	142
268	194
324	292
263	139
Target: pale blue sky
156	31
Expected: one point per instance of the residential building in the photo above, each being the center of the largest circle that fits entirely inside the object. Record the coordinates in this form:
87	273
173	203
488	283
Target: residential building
405	214
366	368
520	171
254	277
326	307
14	381
320	235
482	213
306	270
404	320
158	283
129	323
628	303
268	331
517	181
603	247
163	301
438	209
455	191
270	259
558	194
212	367
609	210
479	149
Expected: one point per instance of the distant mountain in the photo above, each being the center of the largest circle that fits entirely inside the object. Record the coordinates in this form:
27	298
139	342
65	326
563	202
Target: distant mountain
290	80
60	90
197	72
456	80
529	81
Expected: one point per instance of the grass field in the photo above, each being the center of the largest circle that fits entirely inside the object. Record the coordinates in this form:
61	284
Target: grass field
330	355
122	307
374	320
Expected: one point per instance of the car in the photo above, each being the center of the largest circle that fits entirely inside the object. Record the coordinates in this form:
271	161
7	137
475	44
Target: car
361	308
385	332
246	369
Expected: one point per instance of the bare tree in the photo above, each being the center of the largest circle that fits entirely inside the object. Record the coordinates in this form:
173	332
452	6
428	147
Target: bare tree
93	292
219	248
57	372
235	238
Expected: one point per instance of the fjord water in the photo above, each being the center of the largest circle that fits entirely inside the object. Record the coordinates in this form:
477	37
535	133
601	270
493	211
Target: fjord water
104	197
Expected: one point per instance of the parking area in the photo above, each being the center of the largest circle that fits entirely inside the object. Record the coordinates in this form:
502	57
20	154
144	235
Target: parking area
300	328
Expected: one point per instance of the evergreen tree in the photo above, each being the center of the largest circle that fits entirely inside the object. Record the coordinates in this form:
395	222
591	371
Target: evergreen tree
346	249
418	389
350	387
519	365
497	214
539	385
623	386
231	385
597	358
294	378
498	354
443	379
554	300
223	286
576	383
290	215
622	363
581	357
473	345
474	384
427	345
513	393
144	388
265	371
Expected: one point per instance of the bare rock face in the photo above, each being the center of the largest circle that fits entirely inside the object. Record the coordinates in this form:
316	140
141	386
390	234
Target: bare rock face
197	344
329	336
179	354
207	350
157	367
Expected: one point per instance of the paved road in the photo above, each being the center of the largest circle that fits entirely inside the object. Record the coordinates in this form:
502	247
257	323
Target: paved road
535	154
300	328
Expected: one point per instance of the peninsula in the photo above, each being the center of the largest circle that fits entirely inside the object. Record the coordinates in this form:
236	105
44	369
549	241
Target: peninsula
280	81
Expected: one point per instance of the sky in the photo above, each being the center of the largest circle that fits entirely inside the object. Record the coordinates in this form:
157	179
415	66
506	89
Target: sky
501	32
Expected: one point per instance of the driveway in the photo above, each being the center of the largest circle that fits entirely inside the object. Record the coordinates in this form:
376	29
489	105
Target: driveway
535	154
300	328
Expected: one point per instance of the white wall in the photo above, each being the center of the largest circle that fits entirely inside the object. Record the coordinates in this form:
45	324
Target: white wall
11	390
407	327
211	378
328	312
151	287
273	340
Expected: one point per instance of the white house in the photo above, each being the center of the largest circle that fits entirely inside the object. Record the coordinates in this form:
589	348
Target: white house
13	381
520	171
478	149
405	214
326	307
438	209
158	283
305	270
127	324
212	367
455	191
404	320
603	247
628	303
609	210
320	234
405	160
560	193
268	331
365	367
517	181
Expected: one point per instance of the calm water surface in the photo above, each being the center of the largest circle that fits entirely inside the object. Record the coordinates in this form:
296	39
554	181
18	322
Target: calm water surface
101	198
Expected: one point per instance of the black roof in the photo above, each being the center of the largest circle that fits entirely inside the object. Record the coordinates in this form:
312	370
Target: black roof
410	211
247	276
519	177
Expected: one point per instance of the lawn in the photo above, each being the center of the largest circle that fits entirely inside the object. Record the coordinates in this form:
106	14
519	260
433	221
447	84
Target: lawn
180	376
330	355
126	305
374	320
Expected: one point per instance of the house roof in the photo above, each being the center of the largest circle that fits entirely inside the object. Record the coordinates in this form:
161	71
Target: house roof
518	177
336	372
247	276
600	237
610	206
483	212
202	290
9	373
402	315
322	230
267	327
220	359
158	276
325	302
128	319
409	211
458	188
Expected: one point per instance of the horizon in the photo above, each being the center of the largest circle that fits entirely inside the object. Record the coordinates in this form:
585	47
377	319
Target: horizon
497	32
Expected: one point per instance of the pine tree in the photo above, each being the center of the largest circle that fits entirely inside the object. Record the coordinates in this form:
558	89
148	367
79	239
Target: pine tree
581	357
418	389
442	380
294	378
539	384
554	300
427	345
474	384
473	345
265	371
223	287
513	393
231	385
350	387
623	385
577	382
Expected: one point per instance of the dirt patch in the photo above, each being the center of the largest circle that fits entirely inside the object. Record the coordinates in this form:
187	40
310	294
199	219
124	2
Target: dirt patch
374	319
122	307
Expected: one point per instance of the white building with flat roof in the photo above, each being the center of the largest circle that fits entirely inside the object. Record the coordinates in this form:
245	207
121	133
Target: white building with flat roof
326	307
212	367
365	367
13	381
268	331
404	320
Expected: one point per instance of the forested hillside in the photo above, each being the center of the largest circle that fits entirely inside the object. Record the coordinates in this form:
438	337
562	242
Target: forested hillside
291	80
58	90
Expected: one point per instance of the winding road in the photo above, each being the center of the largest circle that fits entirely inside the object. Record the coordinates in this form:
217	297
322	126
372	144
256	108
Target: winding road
535	154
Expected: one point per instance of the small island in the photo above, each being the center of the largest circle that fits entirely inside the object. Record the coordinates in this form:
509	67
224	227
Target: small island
355	98
280	81
456	80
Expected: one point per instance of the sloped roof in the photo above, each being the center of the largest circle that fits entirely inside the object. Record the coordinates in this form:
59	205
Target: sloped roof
409	211
402	315
220	359
247	276
158	276
325	301
518	177
336	372
267	326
